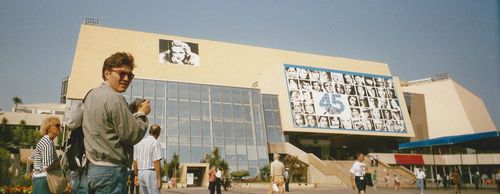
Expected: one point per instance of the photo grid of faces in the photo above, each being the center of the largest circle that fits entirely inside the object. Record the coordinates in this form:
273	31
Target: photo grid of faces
321	98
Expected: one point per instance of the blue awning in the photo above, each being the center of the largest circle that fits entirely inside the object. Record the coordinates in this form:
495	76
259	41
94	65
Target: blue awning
449	140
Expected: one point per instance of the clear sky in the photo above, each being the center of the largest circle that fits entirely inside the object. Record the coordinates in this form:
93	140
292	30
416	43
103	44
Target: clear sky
416	38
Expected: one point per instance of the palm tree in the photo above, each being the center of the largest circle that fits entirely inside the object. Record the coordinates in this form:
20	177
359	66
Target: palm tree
173	166
213	159
295	166
16	100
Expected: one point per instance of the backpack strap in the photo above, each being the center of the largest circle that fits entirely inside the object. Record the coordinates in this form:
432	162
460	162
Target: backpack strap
84	98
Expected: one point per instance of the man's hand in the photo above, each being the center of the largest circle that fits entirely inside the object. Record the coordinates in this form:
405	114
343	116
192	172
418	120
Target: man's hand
136	181
158	184
145	107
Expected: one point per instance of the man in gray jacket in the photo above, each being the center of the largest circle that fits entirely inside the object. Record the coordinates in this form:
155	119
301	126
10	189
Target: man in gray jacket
110	129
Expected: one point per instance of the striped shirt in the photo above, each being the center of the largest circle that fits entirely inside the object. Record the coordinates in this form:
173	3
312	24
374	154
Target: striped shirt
147	151
43	155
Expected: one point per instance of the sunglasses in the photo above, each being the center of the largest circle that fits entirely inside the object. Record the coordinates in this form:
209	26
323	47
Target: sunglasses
122	74
57	125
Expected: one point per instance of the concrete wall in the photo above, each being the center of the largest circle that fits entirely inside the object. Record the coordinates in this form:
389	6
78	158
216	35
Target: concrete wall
451	109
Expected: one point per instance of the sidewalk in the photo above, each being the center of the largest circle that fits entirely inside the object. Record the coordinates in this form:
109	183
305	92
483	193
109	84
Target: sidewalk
329	191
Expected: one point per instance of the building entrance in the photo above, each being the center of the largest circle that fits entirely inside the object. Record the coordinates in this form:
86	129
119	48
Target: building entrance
195	176
343	147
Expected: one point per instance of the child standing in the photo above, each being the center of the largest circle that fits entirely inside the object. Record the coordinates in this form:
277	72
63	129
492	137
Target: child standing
387	178
397	183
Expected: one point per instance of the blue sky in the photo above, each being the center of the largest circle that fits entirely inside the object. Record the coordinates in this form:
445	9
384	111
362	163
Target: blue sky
416	38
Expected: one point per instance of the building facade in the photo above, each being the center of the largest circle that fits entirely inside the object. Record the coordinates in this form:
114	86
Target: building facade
246	100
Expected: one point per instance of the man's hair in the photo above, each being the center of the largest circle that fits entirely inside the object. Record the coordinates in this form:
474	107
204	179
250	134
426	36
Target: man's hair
118	59
134	106
154	130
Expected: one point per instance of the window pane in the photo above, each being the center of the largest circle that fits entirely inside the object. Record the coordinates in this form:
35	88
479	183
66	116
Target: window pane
172	90
205	126
248	113
207	142
277	118
219	137
207	150
238	112
137	88
215	93
172	108
256	114
204	92
183	91
252	153
245	96
249	134
275	103
149	88
266	100
226	94
184	155
262	152
195	110
171	149
268	116
228	130
184	109
216	111
195	128
256	98
184	128
160	89
196	154
236	95
227	112
205	111
194	92
160	108
172	127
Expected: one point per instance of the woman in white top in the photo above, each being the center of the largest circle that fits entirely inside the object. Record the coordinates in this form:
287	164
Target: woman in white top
420	180
44	156
358	171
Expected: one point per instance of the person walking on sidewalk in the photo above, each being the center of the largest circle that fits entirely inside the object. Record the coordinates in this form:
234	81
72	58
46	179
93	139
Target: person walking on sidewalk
147	167
387	179
457	180
374	180
212	179
420	180
497	179
358	171
277	171
397	183
287	179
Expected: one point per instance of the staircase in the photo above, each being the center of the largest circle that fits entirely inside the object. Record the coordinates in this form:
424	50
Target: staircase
335	173
405	175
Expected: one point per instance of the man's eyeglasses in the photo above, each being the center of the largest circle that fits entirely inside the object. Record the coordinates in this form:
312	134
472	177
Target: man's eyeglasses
122	74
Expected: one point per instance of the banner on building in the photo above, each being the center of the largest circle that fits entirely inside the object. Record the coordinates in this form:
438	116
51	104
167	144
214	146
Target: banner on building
332	99
178	52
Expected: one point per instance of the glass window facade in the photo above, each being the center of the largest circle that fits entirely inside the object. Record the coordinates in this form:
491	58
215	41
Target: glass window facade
272	118
196	117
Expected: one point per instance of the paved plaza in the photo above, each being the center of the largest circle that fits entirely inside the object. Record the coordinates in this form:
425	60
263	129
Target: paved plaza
329	190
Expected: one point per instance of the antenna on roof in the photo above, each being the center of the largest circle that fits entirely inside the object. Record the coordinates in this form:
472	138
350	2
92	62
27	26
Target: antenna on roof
91	21
441	76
